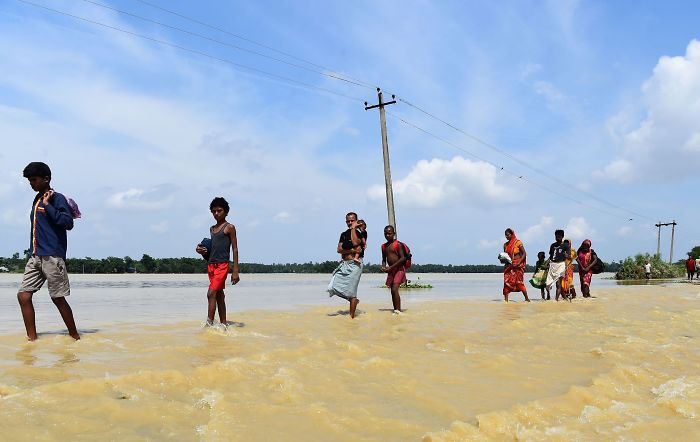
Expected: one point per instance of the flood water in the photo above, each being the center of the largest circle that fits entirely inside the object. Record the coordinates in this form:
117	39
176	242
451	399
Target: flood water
455	366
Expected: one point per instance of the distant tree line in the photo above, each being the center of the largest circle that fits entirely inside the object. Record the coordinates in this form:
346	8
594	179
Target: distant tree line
148	264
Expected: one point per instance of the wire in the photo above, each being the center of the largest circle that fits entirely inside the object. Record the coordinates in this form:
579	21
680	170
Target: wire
270	48
501	168
359	83
223	43
195	51
520	161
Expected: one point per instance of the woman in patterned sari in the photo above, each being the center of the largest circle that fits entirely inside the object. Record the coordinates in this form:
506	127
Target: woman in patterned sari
586	260
567	283
513	274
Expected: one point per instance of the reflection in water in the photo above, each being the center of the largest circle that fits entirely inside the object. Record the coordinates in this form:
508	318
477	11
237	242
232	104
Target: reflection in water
66	356
26	355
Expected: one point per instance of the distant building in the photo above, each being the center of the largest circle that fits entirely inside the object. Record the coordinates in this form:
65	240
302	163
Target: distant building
4	269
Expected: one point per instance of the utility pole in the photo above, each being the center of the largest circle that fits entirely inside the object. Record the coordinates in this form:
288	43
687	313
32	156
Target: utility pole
673	232
673	225
385	150
658	240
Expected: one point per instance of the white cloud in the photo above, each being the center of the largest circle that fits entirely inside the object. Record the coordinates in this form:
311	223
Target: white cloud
139	199
160	228
529	70
12	217
485	244
439	182
536	231
578	229
283	218
666	142
624	230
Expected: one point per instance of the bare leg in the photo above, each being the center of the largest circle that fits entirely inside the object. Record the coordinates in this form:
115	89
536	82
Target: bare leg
67	315
556	296
395	297
525	294
221	305
353	307
27	307
542	293
548	296
211	307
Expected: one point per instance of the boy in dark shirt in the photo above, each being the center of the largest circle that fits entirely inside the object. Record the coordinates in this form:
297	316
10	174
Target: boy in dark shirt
558	252
51	217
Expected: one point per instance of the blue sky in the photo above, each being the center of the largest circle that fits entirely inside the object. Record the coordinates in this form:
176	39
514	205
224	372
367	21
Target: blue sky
603	97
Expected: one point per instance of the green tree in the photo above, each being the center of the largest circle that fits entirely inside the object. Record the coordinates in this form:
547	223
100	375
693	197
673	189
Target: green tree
695	252
633	268
147	264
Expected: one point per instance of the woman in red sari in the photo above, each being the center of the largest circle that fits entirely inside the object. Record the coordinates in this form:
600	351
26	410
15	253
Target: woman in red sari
586	259
513	274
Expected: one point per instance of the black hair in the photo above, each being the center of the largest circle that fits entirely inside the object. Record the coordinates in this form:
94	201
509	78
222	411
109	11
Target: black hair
390	227
37	168
351	213
559	232
510	230
540	253
219	202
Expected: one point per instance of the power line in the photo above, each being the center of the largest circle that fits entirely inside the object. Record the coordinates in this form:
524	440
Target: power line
197	52
520	161
270	48
330	74
501	168
363	83
223	43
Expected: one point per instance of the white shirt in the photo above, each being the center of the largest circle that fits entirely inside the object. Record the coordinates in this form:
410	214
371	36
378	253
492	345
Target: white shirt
647	268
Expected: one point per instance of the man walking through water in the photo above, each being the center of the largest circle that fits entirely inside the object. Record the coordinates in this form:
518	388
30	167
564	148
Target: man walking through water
346	277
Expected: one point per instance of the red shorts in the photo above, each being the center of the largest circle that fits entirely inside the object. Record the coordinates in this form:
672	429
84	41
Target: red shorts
217	275
396	277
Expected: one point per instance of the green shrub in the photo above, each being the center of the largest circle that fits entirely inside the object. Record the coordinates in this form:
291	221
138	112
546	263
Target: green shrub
633	268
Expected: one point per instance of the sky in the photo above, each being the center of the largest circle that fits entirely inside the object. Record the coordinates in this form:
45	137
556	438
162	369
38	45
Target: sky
581	115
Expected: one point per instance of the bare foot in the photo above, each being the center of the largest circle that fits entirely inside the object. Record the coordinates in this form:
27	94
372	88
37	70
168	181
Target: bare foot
75	336
353	307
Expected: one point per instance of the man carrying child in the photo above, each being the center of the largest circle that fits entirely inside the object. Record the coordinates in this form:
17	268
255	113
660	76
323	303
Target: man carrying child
346	277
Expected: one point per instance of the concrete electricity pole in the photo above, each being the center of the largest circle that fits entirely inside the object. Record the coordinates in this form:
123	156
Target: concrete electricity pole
673	225
385	149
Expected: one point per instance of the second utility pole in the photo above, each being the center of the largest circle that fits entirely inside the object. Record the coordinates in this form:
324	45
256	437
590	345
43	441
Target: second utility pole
385	149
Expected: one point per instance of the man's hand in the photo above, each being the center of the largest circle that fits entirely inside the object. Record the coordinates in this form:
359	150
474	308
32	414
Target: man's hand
384	269
47	197
235	278
200	249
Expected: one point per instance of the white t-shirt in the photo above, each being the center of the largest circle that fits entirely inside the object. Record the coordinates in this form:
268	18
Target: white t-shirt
647	268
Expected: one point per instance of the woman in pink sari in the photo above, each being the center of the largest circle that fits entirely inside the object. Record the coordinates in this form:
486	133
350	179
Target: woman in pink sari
586	259
513	274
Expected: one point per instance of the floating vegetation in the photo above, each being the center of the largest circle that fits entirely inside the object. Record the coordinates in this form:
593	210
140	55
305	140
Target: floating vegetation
412	285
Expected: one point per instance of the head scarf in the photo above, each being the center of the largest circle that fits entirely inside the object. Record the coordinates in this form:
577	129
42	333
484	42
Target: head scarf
513	247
